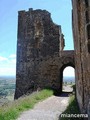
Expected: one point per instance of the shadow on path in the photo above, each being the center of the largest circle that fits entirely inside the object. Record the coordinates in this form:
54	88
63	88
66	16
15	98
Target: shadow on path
63	94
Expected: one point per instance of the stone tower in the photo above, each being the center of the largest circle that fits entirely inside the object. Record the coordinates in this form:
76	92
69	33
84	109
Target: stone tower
81	32
38	42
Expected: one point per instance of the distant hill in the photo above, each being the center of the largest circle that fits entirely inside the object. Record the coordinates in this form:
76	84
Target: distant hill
7	77
69	79
65	78
7	89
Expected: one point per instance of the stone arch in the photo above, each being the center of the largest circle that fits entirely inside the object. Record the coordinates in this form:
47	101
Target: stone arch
66	63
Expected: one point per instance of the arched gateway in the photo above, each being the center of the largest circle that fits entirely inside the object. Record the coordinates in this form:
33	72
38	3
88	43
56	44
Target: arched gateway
48	73
67	59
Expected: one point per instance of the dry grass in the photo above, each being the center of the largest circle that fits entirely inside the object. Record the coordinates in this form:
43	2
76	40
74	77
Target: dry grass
12	110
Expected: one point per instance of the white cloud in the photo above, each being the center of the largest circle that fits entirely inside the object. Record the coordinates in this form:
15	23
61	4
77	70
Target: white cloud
12	56
3	58
8	65
13	61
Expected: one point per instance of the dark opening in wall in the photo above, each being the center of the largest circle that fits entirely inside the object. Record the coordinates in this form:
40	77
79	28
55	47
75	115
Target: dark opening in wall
86	3
87	16
88	37
88	32
89	46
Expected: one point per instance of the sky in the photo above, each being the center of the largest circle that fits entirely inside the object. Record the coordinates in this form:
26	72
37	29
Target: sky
69	72
60	12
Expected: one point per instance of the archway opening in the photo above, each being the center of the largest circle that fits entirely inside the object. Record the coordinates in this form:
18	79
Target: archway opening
68	82
67	77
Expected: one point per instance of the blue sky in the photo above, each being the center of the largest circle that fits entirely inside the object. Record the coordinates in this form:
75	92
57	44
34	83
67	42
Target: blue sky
60	12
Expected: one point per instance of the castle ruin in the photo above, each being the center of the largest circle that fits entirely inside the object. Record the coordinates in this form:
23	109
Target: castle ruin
41	57
40	54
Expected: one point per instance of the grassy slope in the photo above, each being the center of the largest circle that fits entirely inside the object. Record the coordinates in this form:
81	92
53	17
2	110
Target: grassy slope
12	110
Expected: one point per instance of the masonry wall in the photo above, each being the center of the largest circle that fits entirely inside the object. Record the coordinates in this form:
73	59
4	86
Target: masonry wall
82	54
38	41
40	54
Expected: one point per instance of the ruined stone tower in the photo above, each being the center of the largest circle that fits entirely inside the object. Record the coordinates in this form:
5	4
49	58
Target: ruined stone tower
38	41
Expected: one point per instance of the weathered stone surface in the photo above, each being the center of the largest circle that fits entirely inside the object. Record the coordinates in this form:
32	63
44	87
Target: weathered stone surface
81	30
40	55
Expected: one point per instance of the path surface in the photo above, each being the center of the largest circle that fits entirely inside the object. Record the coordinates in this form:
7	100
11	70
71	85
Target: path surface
49	109
67	88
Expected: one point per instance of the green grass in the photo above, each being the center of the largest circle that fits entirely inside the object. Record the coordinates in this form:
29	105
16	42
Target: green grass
12	110
72	109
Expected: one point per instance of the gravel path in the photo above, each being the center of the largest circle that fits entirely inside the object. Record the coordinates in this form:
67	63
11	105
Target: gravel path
49	109
67	88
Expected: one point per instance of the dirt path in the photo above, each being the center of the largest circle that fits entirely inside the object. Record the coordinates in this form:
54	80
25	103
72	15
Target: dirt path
49	109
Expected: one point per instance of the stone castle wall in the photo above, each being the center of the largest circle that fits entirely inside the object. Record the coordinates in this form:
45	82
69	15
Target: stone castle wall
38	40
40	52
81	30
